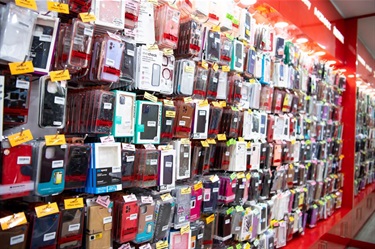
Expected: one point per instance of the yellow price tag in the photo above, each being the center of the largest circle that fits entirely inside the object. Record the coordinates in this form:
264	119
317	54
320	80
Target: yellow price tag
185	229
198	185
167	51
186	191
223	104
55	140
211	141
293	141
21	67
168	102
216	28
150	97
87	17
221	137
170	114
210	218
248	145
44	210
59	75
216	104
204	64
166	196
241	139
156	2
185	141
20	138
247	245
58	7
248	176
205	144
203	103
341	157
30	4
188	100
215	67
11	221
189	69
225	68
73	203
240	175
247	32
162	244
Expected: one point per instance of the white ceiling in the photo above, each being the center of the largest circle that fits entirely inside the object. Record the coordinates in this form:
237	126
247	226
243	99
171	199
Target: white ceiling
366	26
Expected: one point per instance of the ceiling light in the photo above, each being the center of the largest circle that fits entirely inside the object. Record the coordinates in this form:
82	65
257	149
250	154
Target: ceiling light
247	2
331	62
281	25
302	40
351	76
320	53
322	46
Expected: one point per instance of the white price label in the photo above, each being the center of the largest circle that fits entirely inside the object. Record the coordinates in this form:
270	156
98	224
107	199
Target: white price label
107	106
49	236
59	100
23	160
74	227
17	239
22	84
57	164
107	220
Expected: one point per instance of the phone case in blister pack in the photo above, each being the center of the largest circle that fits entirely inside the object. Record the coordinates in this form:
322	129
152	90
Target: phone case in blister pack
168	120
104	112
52	105
200	85
77	166
127	165
16	98
212	84
81	44
50	169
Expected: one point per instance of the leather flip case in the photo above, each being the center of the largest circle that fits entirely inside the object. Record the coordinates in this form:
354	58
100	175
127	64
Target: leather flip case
98	219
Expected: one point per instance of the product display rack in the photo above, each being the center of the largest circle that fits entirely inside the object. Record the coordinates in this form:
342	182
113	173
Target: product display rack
168	124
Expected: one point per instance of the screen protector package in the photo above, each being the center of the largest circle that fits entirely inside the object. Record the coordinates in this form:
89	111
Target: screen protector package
16	27
105	168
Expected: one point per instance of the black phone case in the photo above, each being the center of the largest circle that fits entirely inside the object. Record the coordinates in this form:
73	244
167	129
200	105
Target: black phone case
149	113
168	170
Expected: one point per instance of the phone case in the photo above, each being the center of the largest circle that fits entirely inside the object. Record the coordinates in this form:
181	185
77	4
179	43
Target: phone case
128	215
50	170
15	237
52	105
77	166
146	224
16	170
110	61
124	114
44	231
81	44
148	122
71	228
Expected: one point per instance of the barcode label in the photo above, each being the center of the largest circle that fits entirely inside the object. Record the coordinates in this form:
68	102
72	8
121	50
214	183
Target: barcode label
23	160
133	216
58	164
22	84
186	155
148	217
200	236
45	38
153	161
88	32
181	123
215	190
49	236
59	100
168	122
107	220
110	62
74	227
17	239
168	164
130	159
151	123
164	228
107	106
